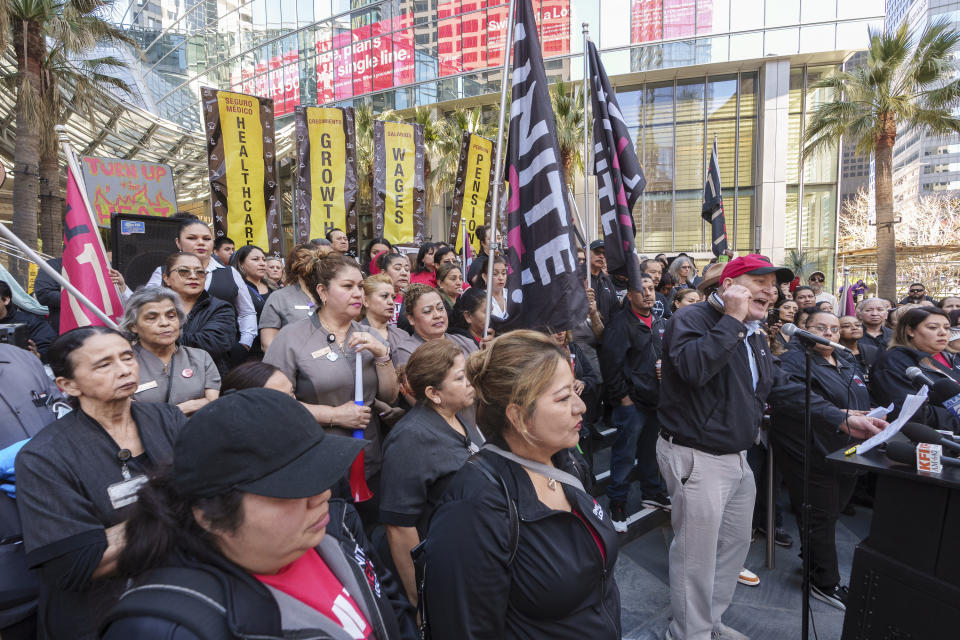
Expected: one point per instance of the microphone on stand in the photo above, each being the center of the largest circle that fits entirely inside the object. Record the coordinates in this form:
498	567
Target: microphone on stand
916	374
906	453
917	432
794	331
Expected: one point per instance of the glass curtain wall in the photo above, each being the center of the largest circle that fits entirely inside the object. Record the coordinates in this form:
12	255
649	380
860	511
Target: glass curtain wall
811	215
674	124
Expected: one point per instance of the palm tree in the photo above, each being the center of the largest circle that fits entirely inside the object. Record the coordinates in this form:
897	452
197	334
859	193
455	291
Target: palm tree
433	132
452	129
902	85
22	22
45	34
568	110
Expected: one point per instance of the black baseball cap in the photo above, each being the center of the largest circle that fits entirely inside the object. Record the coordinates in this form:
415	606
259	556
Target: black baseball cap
596	244
258	441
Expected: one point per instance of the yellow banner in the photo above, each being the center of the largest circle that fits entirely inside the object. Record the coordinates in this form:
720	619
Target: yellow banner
476	187
328	170
401	153
242	133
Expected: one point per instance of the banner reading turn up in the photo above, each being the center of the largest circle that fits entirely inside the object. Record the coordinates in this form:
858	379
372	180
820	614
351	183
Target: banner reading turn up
243	176
398	182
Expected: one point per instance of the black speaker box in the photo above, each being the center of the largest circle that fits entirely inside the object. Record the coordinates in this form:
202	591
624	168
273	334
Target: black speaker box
140	245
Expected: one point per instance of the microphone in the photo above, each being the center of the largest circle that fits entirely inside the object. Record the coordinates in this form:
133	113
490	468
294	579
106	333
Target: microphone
946	393
916	374
906	453
794	331
917	432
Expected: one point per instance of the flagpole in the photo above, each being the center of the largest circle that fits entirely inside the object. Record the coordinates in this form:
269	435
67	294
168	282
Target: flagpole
53	273
463	248
587	209
498	167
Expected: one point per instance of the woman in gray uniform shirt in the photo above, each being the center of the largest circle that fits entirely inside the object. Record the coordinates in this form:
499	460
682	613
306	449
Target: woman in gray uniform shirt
319	355
179	375
294	301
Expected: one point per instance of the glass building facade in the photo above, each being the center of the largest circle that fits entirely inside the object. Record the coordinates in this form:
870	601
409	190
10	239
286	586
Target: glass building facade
686	71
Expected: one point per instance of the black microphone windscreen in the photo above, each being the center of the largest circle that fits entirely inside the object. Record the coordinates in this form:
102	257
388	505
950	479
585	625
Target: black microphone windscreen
917	432
902	452
943	389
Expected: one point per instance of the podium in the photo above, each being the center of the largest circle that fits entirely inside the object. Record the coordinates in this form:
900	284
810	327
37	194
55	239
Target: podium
905	581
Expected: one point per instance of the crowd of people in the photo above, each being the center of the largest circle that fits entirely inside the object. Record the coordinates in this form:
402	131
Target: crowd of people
333	445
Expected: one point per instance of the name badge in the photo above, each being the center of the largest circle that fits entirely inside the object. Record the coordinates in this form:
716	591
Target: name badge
319	353
125	493
146	386
301	307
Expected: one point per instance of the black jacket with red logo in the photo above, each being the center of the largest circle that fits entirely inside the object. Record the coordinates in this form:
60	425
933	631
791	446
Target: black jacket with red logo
835	388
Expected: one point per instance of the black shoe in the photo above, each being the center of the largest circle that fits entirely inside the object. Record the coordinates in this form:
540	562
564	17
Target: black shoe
835	596
780	536
658	500
618	515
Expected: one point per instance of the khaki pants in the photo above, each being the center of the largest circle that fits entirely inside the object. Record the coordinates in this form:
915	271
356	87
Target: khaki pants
712	498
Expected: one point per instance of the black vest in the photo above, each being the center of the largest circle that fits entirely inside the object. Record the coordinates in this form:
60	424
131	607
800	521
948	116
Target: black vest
223	286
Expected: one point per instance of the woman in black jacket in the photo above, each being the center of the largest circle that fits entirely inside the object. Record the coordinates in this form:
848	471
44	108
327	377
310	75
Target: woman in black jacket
515	548
838	391
241	538
211	323
920	340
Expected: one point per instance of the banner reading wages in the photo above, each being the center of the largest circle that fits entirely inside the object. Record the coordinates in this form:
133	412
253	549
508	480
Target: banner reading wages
398	178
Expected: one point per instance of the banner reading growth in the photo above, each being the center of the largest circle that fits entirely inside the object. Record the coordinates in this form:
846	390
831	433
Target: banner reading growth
471	192
327	173
240	155
398	157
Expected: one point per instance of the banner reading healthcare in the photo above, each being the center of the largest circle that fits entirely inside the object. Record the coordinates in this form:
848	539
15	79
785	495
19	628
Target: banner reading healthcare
398	157
327	173
240	155
471	192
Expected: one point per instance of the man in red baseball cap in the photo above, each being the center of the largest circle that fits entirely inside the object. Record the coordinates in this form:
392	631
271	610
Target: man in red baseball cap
716	374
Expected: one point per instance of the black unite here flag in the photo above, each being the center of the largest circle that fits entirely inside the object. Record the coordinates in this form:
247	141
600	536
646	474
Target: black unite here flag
544	289
620	179
713	205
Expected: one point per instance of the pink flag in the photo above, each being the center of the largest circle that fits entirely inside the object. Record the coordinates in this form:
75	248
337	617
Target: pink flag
849	306
85	266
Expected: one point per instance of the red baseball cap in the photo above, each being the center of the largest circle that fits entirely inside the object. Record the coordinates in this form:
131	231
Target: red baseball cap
756	265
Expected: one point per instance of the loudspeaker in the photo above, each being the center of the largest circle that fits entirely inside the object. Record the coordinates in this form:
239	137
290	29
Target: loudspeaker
140	245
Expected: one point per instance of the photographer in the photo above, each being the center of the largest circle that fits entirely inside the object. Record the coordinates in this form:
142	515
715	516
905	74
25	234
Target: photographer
41	334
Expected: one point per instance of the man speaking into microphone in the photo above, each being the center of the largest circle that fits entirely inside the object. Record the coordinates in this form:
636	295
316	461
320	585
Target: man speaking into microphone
717	373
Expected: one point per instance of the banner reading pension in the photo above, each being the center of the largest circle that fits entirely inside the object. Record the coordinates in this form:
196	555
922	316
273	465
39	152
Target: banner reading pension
243	175
398	183
471	193
327	173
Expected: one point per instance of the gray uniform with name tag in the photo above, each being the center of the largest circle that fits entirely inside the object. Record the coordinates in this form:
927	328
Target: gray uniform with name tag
191	372
285	306
323	374
63	476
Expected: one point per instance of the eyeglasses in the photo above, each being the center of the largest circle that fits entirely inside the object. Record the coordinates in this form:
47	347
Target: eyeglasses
815	279
186	272
819	328
916	290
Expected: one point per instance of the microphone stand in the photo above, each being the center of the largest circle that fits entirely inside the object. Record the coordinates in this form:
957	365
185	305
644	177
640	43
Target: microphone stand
805	509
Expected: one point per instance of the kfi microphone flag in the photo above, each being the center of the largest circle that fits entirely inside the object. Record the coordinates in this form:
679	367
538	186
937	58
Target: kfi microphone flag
85	266
713	205
544	288
620	178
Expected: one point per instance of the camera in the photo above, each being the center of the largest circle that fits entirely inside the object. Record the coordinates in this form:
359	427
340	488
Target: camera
15	334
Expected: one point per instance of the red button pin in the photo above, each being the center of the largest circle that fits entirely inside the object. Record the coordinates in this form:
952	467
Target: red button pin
187	373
